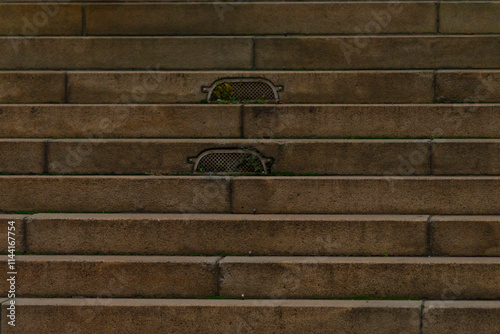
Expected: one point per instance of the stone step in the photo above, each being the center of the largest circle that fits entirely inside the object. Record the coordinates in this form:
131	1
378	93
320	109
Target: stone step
114	276
184	316
181	53
377	52
215	234
178	194
368	195
250	121
299	156
31	19
299	87
469	17
317	86
347	277
395	121
44	316
32	87
247	18
450	317
296	156
391	194
464	235
245	53
467	195
459	157
235	234
256	277
464	86
291	18
260	18
22	156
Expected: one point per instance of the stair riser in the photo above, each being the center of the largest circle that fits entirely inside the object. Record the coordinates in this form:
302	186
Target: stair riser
474	157
300	157
464	236
40	19
32	87
127	53
139	121
217	317
333	195
115	194
321	87
22	156
416	52
300	87
114	276
467	86
344	157
285	277
397	195
460	317
262	121
261	18
259	234
481	17
43	316
235	235
249	18
323	121
379	278
313	53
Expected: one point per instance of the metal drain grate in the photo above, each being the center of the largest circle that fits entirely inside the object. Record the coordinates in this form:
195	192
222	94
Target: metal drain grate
237	90
230	161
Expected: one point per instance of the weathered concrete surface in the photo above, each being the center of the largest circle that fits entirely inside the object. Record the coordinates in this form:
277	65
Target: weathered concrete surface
377	52
466	157
39	19
349	277
469	17
154	316
212	234
107	121
163	156
312	87
21	156
146	53
260	121
114	194
114	276
32	87
461	317
465	235
468	86
369	195
260	18
148	156
396	121
353	157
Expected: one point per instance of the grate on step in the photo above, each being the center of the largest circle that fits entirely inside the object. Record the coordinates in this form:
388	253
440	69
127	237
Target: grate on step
236	90
230	161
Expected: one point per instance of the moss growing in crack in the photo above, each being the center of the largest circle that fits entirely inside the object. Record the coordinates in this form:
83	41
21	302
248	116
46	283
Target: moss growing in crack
224	92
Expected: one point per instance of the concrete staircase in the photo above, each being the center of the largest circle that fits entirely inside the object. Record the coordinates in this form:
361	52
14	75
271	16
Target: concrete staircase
381	211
